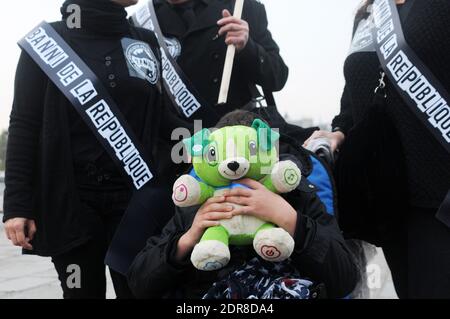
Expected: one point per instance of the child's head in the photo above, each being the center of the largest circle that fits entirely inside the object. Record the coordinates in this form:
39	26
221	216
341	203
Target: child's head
238	117
243	146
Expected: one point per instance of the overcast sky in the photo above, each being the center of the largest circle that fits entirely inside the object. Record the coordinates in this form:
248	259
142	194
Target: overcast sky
314	36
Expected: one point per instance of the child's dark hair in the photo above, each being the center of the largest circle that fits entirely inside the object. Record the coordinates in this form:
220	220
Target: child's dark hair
238	117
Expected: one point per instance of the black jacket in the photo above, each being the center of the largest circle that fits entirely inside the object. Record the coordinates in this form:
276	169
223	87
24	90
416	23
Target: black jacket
320	251
203	55
40	179
427	31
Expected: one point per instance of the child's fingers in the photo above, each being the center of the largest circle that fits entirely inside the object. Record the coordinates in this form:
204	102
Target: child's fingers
251	183
209	223
217	216
212	200
244	210
222	207
239	200
238	192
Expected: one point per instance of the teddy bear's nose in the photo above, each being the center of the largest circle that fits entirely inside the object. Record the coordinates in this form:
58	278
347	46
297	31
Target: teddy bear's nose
234	166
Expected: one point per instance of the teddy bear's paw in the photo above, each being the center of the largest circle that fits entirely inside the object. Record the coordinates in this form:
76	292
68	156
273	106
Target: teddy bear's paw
186	191
274	244
286	176
210	255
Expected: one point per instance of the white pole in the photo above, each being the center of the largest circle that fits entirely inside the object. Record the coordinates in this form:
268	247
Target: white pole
229	59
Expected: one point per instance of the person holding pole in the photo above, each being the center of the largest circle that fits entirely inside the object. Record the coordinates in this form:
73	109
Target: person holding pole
197	34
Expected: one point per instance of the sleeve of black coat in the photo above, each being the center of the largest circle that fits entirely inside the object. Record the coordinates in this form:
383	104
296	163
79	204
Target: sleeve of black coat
23	138
261	56
154	272
344	121
321	252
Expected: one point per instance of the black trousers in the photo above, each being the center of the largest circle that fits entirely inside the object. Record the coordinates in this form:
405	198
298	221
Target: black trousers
104	210
419	258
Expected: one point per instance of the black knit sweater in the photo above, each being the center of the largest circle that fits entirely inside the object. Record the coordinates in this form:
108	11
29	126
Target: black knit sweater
427	31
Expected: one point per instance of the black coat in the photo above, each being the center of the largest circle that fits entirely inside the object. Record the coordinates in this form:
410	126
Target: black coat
390	161
427	32
203	55
320	251
40	179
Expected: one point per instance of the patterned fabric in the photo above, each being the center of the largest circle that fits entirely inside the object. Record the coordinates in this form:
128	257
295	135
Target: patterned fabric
259	279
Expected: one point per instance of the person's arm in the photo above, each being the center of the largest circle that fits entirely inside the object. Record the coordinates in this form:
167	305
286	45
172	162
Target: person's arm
21	156
320	249
160	267
343	122
258	54
23	138
154	272
261	57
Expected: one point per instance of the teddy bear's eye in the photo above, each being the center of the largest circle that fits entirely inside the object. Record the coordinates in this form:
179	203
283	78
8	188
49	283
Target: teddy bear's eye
253	148
212	155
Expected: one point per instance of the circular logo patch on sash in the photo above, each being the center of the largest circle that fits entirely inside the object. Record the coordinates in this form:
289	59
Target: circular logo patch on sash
174	47
143	61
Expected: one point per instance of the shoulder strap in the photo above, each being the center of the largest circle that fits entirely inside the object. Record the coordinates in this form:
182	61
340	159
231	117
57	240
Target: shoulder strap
418	87
179	88
258	97
90	99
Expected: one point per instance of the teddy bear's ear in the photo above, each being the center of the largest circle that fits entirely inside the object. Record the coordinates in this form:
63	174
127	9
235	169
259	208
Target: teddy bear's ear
266	136
197	143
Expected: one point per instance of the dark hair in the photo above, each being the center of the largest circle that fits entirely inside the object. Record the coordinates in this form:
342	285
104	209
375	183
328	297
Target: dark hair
362	13
238	117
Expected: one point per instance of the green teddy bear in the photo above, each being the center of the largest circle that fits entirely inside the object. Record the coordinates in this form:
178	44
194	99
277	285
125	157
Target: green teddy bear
219	159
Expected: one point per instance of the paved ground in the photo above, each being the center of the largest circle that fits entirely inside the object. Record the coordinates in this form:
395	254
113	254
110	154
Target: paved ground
30	277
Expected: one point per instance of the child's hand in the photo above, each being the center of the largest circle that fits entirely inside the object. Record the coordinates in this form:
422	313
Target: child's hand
209	215
264	204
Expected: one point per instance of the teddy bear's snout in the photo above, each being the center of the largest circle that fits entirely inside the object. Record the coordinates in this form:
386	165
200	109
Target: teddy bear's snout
233	166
